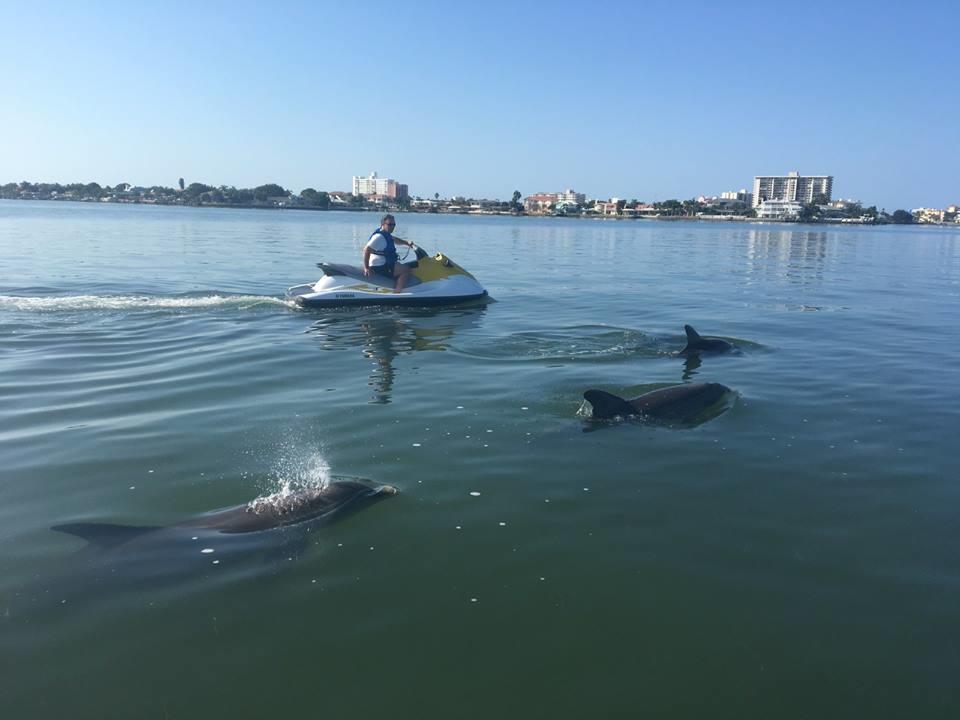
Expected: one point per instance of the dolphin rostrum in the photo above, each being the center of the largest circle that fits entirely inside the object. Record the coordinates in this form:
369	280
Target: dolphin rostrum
691	403
696	343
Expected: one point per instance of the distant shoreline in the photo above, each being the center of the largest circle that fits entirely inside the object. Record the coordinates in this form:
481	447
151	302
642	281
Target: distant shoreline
661	218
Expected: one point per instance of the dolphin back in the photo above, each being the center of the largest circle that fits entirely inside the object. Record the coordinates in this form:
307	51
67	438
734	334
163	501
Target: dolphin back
607	405
329	503
697	343
684	405
326	504
689	403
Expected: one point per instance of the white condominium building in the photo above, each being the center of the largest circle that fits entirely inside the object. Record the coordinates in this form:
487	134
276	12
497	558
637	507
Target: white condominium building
569	196
373	185
792	187
779	209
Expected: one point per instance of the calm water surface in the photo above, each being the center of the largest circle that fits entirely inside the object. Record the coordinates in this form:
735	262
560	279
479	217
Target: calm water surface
798	556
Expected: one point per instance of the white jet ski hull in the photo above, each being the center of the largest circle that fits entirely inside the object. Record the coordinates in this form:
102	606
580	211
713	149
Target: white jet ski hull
433	280
450	291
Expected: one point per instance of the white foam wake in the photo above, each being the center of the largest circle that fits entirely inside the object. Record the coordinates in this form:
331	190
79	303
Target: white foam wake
52	303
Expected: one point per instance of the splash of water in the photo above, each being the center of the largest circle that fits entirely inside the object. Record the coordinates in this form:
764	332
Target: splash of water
585	410
295	472
302	472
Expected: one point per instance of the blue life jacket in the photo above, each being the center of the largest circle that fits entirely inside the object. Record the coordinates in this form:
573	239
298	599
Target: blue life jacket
389	254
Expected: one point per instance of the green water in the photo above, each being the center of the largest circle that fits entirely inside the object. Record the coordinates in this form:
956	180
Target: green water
795	557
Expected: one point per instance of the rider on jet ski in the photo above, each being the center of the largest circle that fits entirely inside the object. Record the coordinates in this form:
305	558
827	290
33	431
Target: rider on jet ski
380	254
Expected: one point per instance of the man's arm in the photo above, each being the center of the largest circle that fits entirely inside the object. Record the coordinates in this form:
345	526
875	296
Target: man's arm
366	260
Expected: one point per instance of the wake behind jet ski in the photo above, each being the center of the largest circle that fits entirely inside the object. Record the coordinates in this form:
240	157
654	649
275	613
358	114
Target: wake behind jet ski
433	280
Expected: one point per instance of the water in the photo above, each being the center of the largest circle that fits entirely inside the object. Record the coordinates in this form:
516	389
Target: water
795	557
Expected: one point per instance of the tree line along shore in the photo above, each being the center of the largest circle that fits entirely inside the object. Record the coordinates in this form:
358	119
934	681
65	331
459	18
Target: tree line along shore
272	195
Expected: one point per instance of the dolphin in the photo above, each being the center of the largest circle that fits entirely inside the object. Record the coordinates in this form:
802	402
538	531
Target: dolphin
697	344
169	561
324	504
688	404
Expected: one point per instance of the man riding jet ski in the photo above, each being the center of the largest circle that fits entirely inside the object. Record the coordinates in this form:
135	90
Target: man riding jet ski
384	280
380	253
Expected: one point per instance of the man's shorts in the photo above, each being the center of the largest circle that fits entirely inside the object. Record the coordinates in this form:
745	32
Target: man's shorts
386	270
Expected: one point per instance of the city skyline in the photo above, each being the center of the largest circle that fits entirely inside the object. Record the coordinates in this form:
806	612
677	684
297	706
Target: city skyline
789	187
480	104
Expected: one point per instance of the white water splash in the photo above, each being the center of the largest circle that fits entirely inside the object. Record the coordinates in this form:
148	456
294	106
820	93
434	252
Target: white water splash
62	303
303	472
585	410
295	473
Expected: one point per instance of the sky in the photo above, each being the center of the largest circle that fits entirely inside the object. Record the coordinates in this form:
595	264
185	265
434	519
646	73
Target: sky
637	100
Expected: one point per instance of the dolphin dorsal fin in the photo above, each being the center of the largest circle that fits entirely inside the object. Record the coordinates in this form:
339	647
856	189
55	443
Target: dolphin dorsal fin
692	335
103	535
607	405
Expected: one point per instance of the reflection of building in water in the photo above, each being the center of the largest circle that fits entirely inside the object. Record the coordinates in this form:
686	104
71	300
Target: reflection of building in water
798	255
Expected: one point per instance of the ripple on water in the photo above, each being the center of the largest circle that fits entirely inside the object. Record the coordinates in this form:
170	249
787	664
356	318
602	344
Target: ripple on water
589	343
831	483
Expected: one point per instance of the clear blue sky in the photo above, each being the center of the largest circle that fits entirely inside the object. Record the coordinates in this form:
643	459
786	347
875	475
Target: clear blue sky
646	100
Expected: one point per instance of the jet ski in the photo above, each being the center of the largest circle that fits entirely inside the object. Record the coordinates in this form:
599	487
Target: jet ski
433	280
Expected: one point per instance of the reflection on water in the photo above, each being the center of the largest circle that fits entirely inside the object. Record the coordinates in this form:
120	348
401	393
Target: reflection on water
383	335
811	529
380	347
798	256
690	365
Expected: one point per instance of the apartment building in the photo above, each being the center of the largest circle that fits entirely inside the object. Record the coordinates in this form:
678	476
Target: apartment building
792	187
571	197
738	195
374	185
540	202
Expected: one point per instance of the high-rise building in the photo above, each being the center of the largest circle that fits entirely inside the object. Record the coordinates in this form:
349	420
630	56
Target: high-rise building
373	185
792	187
